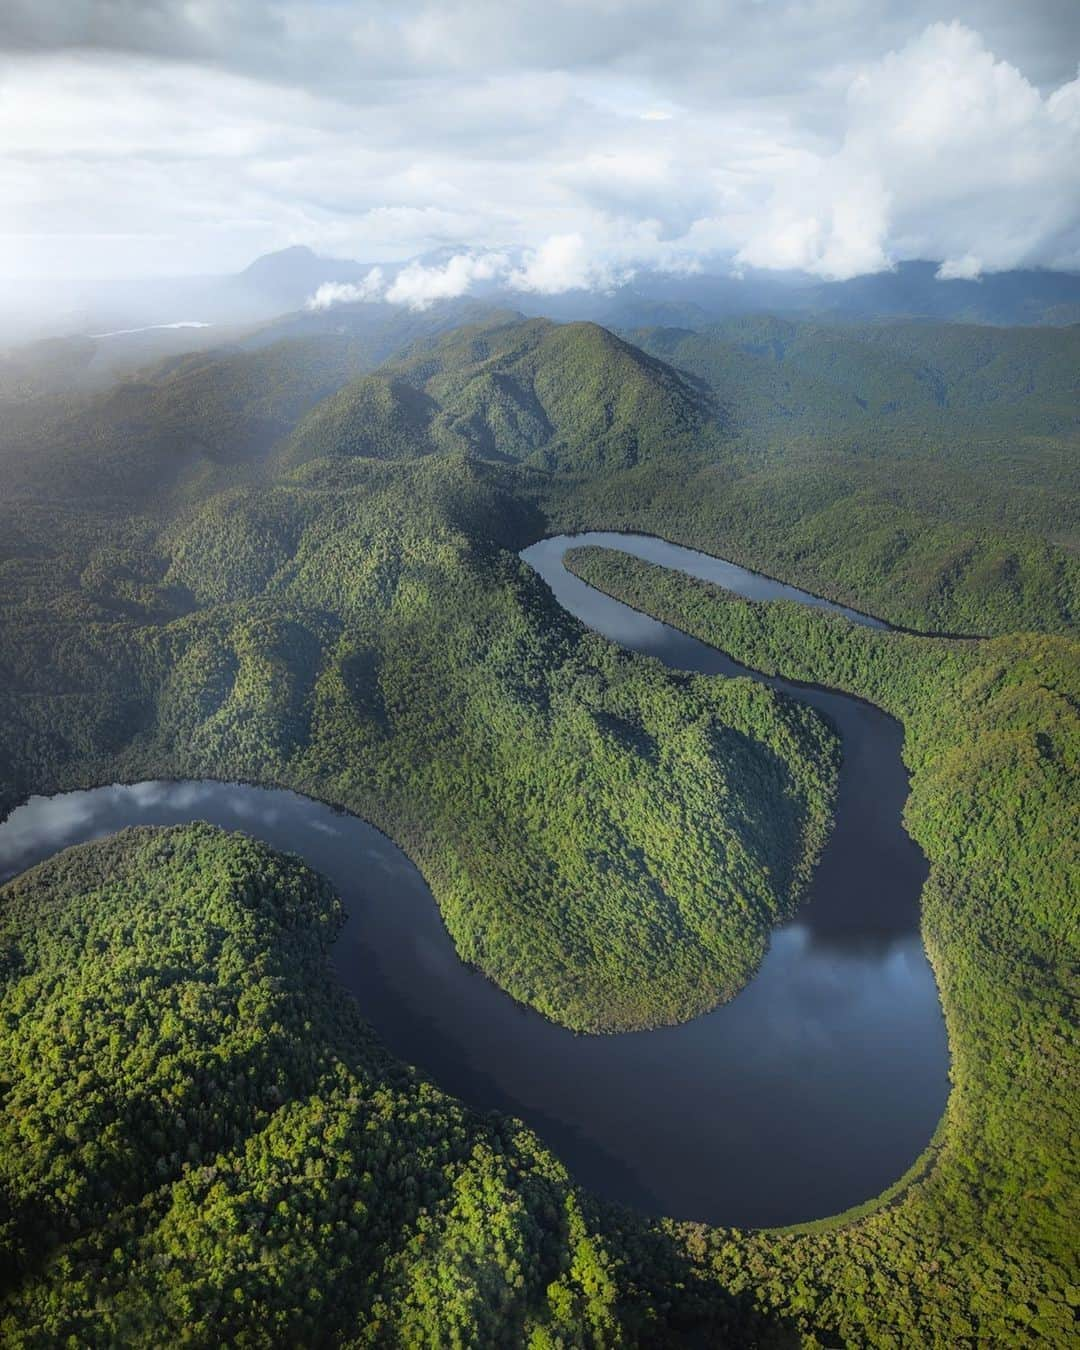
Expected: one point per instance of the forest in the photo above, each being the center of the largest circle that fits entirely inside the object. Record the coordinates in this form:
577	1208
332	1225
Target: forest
294	563
992	738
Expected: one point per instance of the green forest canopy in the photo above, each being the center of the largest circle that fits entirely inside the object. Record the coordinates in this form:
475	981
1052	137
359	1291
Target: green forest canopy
189	588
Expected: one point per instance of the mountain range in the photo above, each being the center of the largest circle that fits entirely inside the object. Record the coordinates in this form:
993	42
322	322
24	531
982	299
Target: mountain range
284	281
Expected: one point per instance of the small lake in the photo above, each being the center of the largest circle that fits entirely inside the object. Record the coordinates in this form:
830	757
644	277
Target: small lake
811	1091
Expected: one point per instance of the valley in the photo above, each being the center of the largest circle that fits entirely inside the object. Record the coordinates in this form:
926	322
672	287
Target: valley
871	1078
297	566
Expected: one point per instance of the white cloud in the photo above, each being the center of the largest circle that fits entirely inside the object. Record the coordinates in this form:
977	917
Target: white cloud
332	293
947	153
418	286
561	263
837	136
825	220
965	268
564	262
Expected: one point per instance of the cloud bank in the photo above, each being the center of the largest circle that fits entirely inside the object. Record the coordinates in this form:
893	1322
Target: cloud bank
562	263
543	149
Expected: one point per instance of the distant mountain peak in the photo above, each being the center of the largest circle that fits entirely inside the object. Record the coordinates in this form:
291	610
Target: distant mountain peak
295	253
291	274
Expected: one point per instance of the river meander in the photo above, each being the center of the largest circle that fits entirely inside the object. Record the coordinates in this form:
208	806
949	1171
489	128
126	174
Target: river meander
811	1091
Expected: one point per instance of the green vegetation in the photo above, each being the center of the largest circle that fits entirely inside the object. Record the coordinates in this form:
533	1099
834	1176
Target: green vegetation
239	1161
984	1246
277	565
925	472
555	396
893	384
357	633
186	425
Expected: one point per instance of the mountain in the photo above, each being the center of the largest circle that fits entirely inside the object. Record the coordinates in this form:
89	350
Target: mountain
273	563
925	470
928	472
189	418
554	396
288	277
918	378
374	417
272	284
281	282
912	290
559	396
652	298
383	330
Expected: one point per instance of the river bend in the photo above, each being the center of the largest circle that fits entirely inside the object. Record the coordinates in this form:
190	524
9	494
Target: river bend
811	1091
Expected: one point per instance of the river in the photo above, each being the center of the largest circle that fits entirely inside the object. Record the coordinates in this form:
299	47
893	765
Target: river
811	1091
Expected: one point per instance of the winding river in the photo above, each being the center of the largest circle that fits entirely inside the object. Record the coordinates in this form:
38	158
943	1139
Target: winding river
812	1091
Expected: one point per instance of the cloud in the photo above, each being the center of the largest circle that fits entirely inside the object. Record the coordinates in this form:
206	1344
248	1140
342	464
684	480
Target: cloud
966	268
139	137
561	263
824	220
332	293
418	286
948	153
565	263
747	45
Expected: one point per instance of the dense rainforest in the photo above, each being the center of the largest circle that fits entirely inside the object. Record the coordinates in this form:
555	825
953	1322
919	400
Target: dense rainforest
241	1162
992	737
927	473
280	563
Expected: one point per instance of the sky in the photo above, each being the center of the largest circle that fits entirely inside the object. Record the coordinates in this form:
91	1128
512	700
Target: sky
556	144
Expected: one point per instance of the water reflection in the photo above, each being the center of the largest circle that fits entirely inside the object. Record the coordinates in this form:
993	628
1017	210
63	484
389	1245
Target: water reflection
811	1091
546	556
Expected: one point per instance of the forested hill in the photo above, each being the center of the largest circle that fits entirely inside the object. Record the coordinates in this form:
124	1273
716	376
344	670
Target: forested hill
281	566
917	379
559	396
78	419
992	737
926	472
562	397
202	1143
184	423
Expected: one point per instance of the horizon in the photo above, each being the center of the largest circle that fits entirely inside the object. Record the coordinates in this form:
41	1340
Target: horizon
718	268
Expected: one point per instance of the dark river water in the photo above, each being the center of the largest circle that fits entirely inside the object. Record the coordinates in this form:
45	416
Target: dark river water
811	1091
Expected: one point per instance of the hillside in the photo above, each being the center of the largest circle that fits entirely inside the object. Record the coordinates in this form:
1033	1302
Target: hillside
189	421
992	737
111	424
362	633
916	379
558	396
375	417
281	566
925	472
240	1159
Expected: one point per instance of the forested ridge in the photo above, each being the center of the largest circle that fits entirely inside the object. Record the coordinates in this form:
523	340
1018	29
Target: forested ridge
992	736
240	1161
925	472
359	635
284	566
